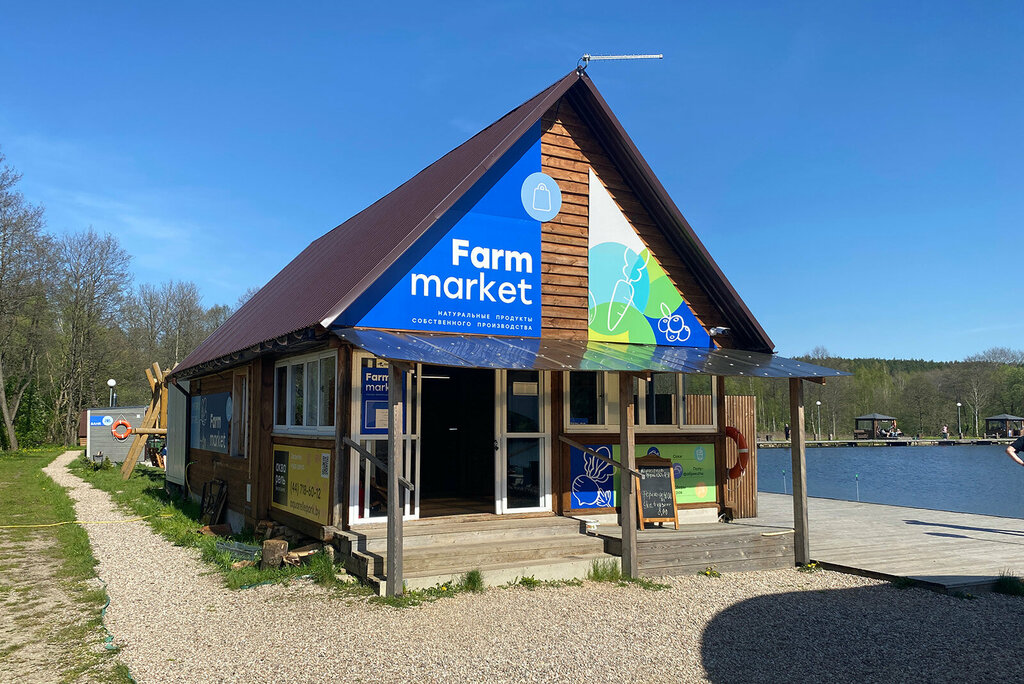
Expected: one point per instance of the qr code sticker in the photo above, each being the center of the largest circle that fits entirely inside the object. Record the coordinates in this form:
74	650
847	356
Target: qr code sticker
325	465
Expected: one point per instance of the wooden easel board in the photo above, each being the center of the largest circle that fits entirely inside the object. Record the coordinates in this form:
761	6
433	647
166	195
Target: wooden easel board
656	495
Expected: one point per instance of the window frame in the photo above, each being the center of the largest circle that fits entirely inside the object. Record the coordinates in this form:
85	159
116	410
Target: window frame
288	363
611	408
240	389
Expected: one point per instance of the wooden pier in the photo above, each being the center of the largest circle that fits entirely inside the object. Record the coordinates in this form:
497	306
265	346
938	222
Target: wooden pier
901	442
950	552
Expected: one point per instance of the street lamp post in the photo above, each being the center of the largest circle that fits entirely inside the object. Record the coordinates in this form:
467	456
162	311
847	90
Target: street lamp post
959	430
111	383
817	431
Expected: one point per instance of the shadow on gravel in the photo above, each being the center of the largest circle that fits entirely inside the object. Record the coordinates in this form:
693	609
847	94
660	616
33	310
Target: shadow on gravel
870	634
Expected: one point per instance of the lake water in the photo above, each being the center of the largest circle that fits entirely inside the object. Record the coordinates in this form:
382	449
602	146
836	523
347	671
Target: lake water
968	479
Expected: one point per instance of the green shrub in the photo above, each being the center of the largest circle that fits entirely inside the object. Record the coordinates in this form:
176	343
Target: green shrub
472	581
605	571
1009	584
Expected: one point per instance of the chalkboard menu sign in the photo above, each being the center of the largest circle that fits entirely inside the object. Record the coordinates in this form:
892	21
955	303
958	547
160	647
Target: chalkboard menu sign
656	495
211	422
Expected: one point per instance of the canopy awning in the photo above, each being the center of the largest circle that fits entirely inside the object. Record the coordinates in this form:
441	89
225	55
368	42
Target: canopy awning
527	353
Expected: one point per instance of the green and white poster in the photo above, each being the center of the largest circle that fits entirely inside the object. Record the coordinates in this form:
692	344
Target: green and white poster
595	484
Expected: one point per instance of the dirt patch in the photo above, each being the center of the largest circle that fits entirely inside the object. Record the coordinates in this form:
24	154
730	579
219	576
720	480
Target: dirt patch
50	629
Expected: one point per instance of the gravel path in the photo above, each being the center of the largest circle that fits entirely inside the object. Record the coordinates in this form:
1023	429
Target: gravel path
176	623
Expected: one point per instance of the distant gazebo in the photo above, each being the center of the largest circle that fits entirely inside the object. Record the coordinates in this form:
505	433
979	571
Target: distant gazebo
867	427
1001	425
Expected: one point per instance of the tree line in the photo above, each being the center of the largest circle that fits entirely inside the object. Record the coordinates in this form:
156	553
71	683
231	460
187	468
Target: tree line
71	318
921	395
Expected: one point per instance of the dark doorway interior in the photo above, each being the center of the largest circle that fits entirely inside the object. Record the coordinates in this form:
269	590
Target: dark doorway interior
456	441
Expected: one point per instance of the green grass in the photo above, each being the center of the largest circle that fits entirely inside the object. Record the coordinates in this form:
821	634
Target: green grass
604	571
29	497
530	582
1009	584
471	582
178	521
611	571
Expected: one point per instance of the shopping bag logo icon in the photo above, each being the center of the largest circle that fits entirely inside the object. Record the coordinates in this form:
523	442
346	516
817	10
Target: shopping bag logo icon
541	198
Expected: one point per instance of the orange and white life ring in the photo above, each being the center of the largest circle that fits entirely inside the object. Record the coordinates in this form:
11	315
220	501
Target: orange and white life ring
742	452
121	436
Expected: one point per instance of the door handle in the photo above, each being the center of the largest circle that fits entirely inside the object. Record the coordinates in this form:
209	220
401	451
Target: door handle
495	445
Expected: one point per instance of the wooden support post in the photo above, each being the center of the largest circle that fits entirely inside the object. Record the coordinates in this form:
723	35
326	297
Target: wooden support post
798	446
396	496
627	483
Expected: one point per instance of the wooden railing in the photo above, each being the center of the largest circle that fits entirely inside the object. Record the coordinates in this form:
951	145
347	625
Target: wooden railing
379	464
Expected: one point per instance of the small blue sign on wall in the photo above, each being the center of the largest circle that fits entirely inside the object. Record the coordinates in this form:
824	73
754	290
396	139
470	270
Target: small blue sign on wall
483	276
374	402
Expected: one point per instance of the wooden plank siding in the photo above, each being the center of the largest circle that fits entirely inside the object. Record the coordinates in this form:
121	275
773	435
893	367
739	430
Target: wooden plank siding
563	249
741	494
203	466
257	468
568	150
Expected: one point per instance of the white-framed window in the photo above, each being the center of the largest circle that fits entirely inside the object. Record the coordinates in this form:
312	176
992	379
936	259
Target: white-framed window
306	393
591	401
668	402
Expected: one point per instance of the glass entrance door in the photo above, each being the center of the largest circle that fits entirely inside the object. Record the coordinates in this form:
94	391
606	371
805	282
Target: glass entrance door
522	466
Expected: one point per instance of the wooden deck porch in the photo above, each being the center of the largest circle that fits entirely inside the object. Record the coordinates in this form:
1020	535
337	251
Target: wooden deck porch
691	549
942	550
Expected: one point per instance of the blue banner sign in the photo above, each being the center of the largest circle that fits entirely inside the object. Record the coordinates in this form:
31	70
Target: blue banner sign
483	277
374	402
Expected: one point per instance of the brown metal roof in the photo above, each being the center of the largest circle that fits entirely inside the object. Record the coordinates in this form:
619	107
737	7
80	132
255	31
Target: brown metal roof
328	276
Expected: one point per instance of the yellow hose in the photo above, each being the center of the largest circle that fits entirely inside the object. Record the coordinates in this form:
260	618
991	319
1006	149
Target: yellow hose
88	522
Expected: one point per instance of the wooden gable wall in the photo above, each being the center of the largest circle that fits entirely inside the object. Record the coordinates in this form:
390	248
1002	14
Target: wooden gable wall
568	150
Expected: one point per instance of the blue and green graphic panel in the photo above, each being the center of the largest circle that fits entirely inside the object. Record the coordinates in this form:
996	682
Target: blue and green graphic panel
631	298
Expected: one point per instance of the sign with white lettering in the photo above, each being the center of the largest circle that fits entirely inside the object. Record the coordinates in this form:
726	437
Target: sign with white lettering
211	422
483	277
373	401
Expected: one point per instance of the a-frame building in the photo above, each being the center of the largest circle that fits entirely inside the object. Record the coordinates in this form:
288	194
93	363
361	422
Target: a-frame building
499	336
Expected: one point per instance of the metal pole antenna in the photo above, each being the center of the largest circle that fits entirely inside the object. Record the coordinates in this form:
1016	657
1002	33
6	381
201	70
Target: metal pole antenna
581	65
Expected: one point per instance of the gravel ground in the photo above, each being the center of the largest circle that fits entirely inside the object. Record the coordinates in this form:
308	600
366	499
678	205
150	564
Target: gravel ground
176	623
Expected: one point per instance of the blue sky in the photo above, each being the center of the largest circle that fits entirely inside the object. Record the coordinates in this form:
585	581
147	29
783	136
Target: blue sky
856	169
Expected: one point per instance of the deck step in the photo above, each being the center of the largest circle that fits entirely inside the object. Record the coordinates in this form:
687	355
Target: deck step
438	551
422	535
452	557
722	546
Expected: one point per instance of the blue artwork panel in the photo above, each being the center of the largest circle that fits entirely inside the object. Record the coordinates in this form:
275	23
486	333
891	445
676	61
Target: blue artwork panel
592	480
483	276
